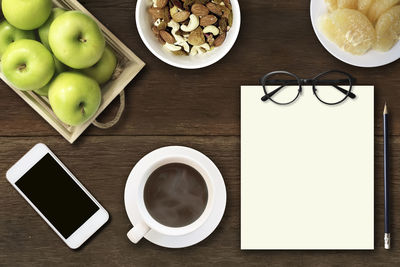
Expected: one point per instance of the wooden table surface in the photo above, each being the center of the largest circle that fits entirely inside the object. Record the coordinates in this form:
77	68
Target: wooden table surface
195	108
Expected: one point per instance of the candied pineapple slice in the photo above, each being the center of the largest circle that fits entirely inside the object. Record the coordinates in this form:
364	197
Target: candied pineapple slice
332	4
388	29
378	7
364	5
349	29
347	4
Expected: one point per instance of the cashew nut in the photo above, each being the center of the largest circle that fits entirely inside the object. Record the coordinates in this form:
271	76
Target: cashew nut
173	10
172	47
174	25
193	24
211	29
179	39
199	49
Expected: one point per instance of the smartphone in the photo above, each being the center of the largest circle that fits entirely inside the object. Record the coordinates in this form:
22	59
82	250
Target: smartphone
59	198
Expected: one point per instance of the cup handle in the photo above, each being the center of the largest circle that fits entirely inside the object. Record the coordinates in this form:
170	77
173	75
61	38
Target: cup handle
138	232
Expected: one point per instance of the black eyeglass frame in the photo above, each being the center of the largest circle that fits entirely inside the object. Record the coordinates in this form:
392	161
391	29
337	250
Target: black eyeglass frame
314	82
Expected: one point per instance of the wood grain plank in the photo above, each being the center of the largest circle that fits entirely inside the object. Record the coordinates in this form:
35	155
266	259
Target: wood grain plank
103	165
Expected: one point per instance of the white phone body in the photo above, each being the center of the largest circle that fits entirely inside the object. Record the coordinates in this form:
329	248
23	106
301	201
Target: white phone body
89	227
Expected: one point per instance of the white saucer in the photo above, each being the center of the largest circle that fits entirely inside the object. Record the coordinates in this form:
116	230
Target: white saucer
216	213
372	58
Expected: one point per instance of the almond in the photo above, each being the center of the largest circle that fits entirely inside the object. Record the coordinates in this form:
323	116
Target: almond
226	11
196	37
228	4
216	9
223	24
160	39
167	16
177	3
188	3
161	3
200	10
181	16
156	13
159	13
220	39
167	37
208	20
155	30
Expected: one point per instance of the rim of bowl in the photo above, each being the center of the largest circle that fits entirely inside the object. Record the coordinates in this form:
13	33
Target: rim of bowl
215	59
363	61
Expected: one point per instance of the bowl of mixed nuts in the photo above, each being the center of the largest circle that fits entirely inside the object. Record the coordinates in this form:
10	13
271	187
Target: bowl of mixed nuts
188	34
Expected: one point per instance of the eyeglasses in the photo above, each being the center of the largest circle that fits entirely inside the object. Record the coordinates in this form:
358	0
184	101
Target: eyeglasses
331	87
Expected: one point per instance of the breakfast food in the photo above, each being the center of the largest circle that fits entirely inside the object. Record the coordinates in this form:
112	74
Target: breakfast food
357	26
364	5
103	70
332	4
388	29
378	7
59	68
68	65
76	40
26	15
74	97
350	30
45	28
191	27
27	64
9	34
347	3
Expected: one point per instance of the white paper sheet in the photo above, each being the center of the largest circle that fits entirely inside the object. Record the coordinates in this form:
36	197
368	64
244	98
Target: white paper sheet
307	172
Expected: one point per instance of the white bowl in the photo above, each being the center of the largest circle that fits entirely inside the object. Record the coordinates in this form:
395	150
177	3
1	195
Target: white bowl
143	24
370	59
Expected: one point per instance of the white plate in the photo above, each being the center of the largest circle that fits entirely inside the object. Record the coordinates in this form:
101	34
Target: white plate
372	58
216	213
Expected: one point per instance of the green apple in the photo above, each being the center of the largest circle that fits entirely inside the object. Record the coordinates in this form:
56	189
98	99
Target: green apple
26	14
59	68
74	97
76	40
104	69
44	29
10	34
27	64
44	91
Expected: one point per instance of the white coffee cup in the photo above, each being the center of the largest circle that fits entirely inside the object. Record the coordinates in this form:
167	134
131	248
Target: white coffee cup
134	191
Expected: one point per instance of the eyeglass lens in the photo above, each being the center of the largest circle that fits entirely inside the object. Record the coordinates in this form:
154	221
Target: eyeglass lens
281	87
332	87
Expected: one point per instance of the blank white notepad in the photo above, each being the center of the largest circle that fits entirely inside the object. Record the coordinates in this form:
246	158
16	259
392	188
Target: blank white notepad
307	172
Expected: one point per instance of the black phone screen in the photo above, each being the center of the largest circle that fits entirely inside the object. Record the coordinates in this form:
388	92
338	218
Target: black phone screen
58	197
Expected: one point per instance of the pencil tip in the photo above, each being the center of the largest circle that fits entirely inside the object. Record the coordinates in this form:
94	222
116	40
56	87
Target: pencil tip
385	111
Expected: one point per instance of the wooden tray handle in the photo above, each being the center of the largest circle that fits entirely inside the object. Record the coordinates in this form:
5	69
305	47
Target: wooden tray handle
117	117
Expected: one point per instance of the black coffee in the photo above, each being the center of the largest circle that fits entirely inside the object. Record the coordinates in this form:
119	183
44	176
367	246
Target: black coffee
175	195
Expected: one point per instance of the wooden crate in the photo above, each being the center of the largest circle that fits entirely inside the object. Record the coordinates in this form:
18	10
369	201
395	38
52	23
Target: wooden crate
129	65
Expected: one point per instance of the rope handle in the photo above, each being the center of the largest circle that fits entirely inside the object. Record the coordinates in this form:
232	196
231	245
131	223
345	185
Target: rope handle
117	117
